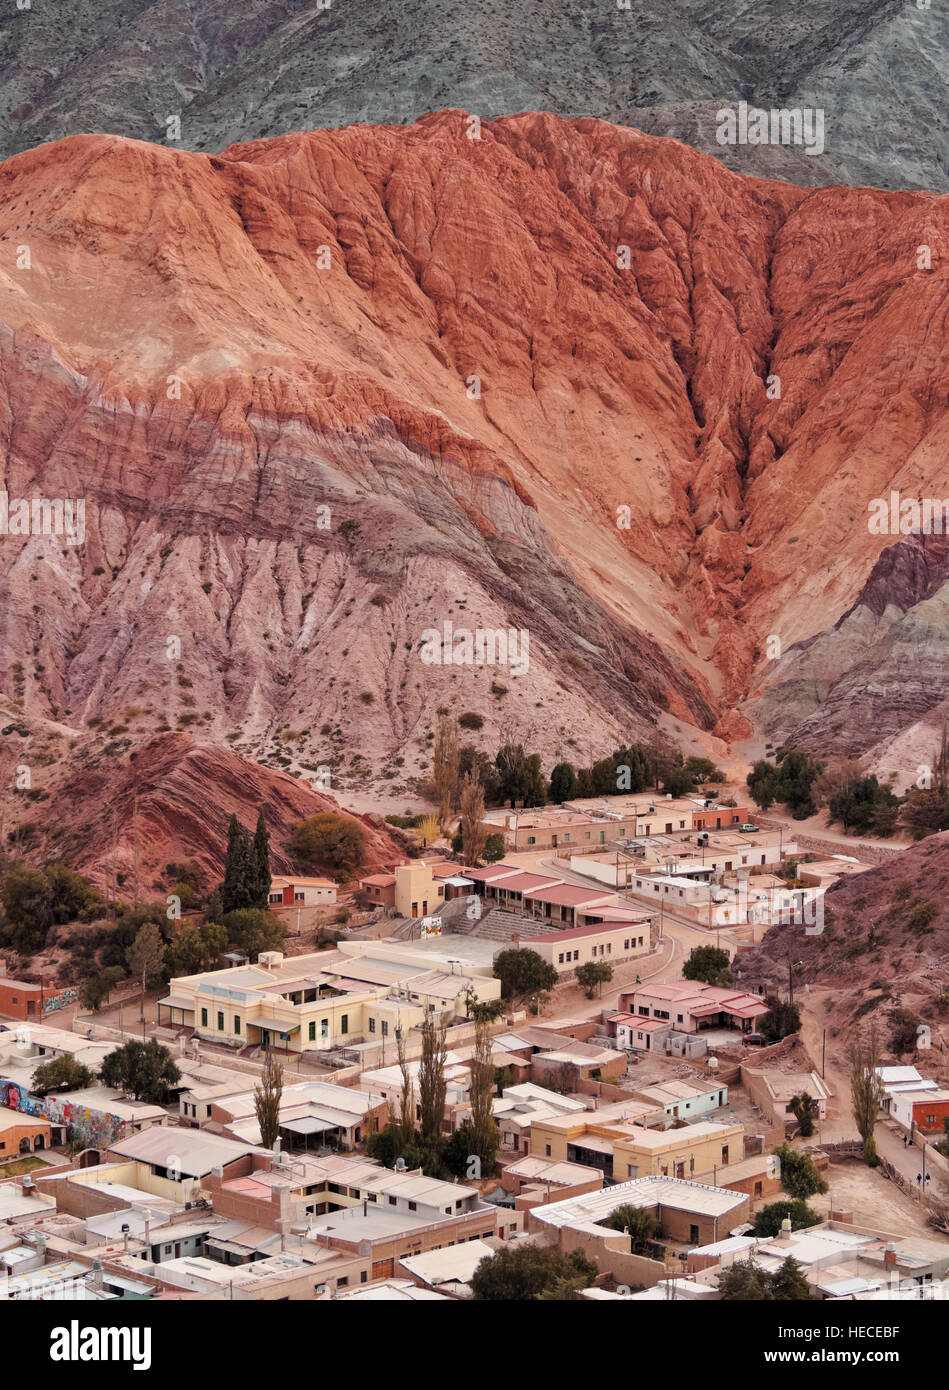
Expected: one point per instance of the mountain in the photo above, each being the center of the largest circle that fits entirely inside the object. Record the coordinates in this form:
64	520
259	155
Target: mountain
113	810
876	682
876	70
885	943
325	394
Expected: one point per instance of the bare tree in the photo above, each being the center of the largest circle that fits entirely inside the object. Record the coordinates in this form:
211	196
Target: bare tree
145	957
473	833
432	1084
445	768
267	1100
484	1131
406	1120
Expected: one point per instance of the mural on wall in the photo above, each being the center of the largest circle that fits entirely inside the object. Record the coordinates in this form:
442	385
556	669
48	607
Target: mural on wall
93	1128
60	1000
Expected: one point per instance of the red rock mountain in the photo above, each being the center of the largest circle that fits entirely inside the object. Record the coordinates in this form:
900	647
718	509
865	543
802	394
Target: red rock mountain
324	392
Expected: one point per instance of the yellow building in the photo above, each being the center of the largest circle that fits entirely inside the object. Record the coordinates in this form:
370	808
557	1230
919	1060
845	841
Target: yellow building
704	1147
322	1000
417	892
624	1142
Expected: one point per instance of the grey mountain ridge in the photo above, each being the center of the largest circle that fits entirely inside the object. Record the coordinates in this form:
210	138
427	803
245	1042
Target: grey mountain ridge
247	69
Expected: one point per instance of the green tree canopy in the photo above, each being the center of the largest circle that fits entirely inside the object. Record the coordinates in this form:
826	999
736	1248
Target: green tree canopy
708	963
330	842
523	972
146	1070
521	1273
60	1074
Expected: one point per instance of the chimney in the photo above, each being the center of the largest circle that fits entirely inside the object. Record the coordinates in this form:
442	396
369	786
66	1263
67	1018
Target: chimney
889	1254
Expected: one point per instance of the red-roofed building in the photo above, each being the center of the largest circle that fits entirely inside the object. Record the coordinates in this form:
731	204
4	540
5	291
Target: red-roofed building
691	1006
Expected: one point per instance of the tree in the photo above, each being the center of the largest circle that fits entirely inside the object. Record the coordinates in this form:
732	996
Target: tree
331	842
60	1074
473	833
781	1020
708	963
593	973
267	1095
195	949
805	1110
521	1273
259	879
640	1222
523	972
251	931
799	1175
519	776
788	1284
144	1069
865	1090
96	989
445	768
237	889
768	1220
145	957
493	849
482	769
563	783
432	1083
904	1030
483	1135
744	1282
36	899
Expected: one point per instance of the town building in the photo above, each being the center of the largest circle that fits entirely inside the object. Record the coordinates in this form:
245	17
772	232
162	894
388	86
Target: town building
301	892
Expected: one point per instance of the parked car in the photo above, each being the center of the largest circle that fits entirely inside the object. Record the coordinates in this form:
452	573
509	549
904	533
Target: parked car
748	829
753	1039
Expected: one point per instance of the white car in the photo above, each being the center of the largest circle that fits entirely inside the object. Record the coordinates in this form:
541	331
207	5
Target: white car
747	829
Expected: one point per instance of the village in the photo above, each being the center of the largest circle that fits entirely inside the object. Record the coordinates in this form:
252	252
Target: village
549	1071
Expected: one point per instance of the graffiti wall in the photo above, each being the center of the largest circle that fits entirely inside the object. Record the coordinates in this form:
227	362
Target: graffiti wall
94	1128
51	1002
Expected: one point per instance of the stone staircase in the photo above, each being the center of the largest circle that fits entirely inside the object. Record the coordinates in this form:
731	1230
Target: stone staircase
504	926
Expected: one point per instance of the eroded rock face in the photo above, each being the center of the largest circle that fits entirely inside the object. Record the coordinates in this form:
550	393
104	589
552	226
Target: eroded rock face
115	812
324	394
875	683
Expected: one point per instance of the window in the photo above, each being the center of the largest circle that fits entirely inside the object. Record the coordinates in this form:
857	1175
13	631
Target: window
547	1147
344	1024
311	1032
531	840
693	1235
324	1027
237	1023
372	1025
560	958
204	1018
220	1022
385	1027
724	1153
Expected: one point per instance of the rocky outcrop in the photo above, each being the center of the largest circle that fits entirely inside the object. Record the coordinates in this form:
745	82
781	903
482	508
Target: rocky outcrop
116	812
877	682
885	943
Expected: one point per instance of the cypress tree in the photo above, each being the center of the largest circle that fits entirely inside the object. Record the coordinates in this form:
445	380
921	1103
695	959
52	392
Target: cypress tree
236	886
260	865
